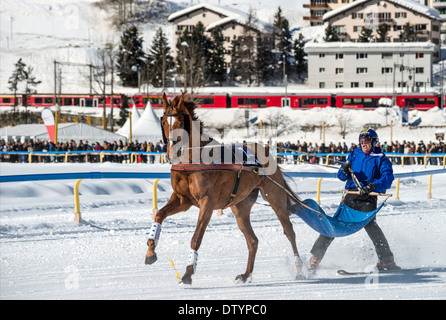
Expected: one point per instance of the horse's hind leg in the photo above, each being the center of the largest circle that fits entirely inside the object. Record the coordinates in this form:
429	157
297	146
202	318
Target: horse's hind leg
174	205
242	212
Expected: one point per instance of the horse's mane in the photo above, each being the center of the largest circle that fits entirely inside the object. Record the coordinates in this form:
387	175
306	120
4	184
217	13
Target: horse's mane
191	106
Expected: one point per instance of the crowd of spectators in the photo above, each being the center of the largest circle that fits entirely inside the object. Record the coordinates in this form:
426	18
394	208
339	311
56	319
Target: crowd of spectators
50	147
308	149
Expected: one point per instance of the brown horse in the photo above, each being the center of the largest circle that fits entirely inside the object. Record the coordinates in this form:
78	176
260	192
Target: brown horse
211	186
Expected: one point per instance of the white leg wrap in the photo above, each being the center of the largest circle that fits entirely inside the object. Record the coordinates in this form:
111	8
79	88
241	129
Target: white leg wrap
193	259
155	232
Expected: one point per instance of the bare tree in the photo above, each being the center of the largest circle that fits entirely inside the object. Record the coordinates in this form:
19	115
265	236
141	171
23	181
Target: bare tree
104	67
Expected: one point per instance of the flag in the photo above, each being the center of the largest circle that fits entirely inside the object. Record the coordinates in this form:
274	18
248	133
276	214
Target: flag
48	120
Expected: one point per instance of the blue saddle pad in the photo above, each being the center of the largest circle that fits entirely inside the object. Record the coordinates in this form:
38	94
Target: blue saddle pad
345	221
236	154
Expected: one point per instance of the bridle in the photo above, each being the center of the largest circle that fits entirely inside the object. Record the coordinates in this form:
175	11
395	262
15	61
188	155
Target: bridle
182	125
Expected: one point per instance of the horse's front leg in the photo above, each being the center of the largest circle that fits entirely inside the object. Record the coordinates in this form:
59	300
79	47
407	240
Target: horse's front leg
203	220
174	205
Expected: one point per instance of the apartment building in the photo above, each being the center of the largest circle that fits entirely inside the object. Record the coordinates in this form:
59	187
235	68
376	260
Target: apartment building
404	66
349	20
231	21
318	8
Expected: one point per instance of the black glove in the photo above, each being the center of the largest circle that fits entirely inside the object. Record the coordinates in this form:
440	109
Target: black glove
347	166
367	189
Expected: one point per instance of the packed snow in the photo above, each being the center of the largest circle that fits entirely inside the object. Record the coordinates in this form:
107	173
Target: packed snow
45	254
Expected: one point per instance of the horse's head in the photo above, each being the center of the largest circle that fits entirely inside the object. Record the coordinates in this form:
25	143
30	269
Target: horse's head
177	121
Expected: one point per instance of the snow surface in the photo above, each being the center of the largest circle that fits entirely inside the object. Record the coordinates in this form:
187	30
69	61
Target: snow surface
46	255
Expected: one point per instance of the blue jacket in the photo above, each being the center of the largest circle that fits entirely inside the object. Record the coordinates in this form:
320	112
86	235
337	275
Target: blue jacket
374	167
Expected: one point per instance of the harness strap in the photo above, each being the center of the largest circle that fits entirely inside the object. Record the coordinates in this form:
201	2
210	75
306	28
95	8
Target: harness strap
234	190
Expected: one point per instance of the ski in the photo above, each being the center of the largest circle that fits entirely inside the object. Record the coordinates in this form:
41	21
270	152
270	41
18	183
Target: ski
354	273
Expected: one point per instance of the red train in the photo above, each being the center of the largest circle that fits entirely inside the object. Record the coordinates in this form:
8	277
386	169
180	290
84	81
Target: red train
42	100
239	100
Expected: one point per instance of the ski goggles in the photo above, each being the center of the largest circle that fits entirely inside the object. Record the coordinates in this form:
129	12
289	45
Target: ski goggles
365	139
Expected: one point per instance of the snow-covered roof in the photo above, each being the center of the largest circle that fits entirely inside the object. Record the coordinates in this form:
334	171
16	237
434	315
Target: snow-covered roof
230	15
370	46
409	4
217	9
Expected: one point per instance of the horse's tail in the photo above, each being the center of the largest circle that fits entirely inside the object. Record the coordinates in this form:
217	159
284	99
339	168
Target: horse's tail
294	203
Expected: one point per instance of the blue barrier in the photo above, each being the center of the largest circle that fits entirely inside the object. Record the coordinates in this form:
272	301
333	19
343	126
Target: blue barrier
166	175
84	175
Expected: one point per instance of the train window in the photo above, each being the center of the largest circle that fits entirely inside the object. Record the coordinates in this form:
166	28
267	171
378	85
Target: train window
38	100
430	101
322	101
205	100
48	100
240	101
357	100
6	100
88	102
67	102
261	102
156	101
346	101
117	100
370	103
76	102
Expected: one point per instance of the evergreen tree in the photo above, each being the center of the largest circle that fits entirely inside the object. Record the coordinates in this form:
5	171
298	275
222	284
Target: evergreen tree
330	34
382	31
193	50
265	59
204	48
284	43
300	56
23	73
17	76
159	61
365	35
407	34
216	65
131	57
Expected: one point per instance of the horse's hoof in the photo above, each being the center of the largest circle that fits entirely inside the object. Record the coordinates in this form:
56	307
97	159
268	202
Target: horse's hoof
151	259
187	279
242	278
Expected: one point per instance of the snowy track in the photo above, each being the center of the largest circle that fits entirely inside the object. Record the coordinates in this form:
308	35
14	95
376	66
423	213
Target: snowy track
46	255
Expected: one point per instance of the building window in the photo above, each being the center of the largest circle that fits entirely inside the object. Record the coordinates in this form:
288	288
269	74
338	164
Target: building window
357	15
357	28
386	55
369	84
399	15
386	70
361	56
321	55
401	84
339	84
339	56
419	55
354	84
321	85
361	70
321	69
419	70
339	70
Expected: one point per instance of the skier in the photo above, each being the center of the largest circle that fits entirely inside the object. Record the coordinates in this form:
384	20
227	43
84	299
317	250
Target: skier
375	174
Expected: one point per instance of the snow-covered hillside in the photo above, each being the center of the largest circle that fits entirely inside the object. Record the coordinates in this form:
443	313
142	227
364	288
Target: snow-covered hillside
42	31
